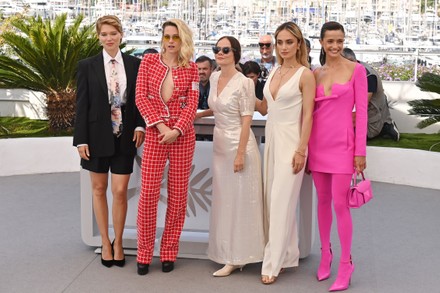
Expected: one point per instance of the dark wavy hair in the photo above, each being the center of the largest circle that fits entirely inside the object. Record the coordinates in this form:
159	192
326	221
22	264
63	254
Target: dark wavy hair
235	45
251	67
328	26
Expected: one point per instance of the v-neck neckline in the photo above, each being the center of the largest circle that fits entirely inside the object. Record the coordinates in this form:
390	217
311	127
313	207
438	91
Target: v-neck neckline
279	89
227	83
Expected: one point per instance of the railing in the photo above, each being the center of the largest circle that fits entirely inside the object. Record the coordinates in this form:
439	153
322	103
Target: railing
399	59
422	58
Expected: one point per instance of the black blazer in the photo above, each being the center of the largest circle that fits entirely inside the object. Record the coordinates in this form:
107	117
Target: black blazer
93	124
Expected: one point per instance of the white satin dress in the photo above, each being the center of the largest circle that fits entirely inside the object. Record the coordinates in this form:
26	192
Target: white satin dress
281	186
236	234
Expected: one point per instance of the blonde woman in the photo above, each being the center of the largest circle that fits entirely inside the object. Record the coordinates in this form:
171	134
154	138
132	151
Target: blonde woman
167	93
289	95
104	148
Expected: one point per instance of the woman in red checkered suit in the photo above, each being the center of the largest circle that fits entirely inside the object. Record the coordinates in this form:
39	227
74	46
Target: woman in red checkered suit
167	92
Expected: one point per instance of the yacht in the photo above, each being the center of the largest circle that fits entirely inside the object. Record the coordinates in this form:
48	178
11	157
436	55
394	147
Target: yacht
8	9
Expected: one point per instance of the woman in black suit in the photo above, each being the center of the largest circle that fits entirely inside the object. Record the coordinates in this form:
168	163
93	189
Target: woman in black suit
105	90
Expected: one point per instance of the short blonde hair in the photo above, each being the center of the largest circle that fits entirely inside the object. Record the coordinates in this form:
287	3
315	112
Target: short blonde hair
186	36
301	54
110	20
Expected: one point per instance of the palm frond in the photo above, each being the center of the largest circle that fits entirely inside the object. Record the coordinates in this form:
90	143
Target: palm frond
429	82
14	74
428	121
425	108
45	58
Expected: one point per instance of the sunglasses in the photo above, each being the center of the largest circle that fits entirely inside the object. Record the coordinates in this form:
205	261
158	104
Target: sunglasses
175	38
225	50
263	45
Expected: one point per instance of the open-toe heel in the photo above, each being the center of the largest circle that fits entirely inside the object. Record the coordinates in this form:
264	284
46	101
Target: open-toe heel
266	280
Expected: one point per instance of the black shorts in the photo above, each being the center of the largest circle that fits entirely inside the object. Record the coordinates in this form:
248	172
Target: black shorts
117	164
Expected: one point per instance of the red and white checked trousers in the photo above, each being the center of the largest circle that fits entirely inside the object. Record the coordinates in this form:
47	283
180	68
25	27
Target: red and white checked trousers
180	155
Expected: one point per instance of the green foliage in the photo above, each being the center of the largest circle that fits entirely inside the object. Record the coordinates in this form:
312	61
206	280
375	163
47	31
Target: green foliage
429	82
13	127
45	53
429	4
45	57
426	108
421	141
24	127
429	109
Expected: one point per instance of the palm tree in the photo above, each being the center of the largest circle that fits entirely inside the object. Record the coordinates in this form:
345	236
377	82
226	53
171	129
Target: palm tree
428	82
44	59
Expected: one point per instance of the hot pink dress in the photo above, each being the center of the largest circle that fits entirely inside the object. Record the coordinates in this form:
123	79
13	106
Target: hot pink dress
334	141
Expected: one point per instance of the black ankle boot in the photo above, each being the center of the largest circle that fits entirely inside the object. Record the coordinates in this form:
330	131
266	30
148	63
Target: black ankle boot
142	268
167	266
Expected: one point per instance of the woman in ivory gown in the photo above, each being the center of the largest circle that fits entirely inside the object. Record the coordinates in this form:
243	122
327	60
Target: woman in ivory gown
289	97
236	235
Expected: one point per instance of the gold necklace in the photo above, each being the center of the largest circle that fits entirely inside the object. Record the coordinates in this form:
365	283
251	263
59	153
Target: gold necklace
283	74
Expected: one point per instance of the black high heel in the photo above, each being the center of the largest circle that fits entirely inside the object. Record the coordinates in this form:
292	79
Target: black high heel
118	262
106	263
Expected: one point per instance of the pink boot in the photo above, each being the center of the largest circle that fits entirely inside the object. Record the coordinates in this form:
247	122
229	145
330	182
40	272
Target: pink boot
343	279
325	264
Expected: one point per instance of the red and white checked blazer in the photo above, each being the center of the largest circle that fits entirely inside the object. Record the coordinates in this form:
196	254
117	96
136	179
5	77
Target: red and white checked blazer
181	107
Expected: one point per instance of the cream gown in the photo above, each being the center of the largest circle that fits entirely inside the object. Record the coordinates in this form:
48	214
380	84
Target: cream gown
281	186
236	234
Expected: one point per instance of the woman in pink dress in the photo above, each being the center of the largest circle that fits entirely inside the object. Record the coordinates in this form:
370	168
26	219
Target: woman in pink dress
336	148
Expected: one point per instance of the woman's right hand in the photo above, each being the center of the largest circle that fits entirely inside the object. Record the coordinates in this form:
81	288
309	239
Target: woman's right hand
261	106
83	152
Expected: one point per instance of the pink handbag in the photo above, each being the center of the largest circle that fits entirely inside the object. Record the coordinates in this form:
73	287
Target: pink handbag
360	192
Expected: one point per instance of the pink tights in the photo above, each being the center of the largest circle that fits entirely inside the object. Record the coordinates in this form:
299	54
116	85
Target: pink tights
334	187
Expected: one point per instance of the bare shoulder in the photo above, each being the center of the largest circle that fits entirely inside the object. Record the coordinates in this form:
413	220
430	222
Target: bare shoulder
317	72
307	74
348	65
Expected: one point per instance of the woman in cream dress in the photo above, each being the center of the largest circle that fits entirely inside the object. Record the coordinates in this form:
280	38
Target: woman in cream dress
236	235
289	95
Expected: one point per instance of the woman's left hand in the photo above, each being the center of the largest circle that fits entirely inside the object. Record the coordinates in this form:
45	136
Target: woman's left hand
298	162
138	138
168	137
360	163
